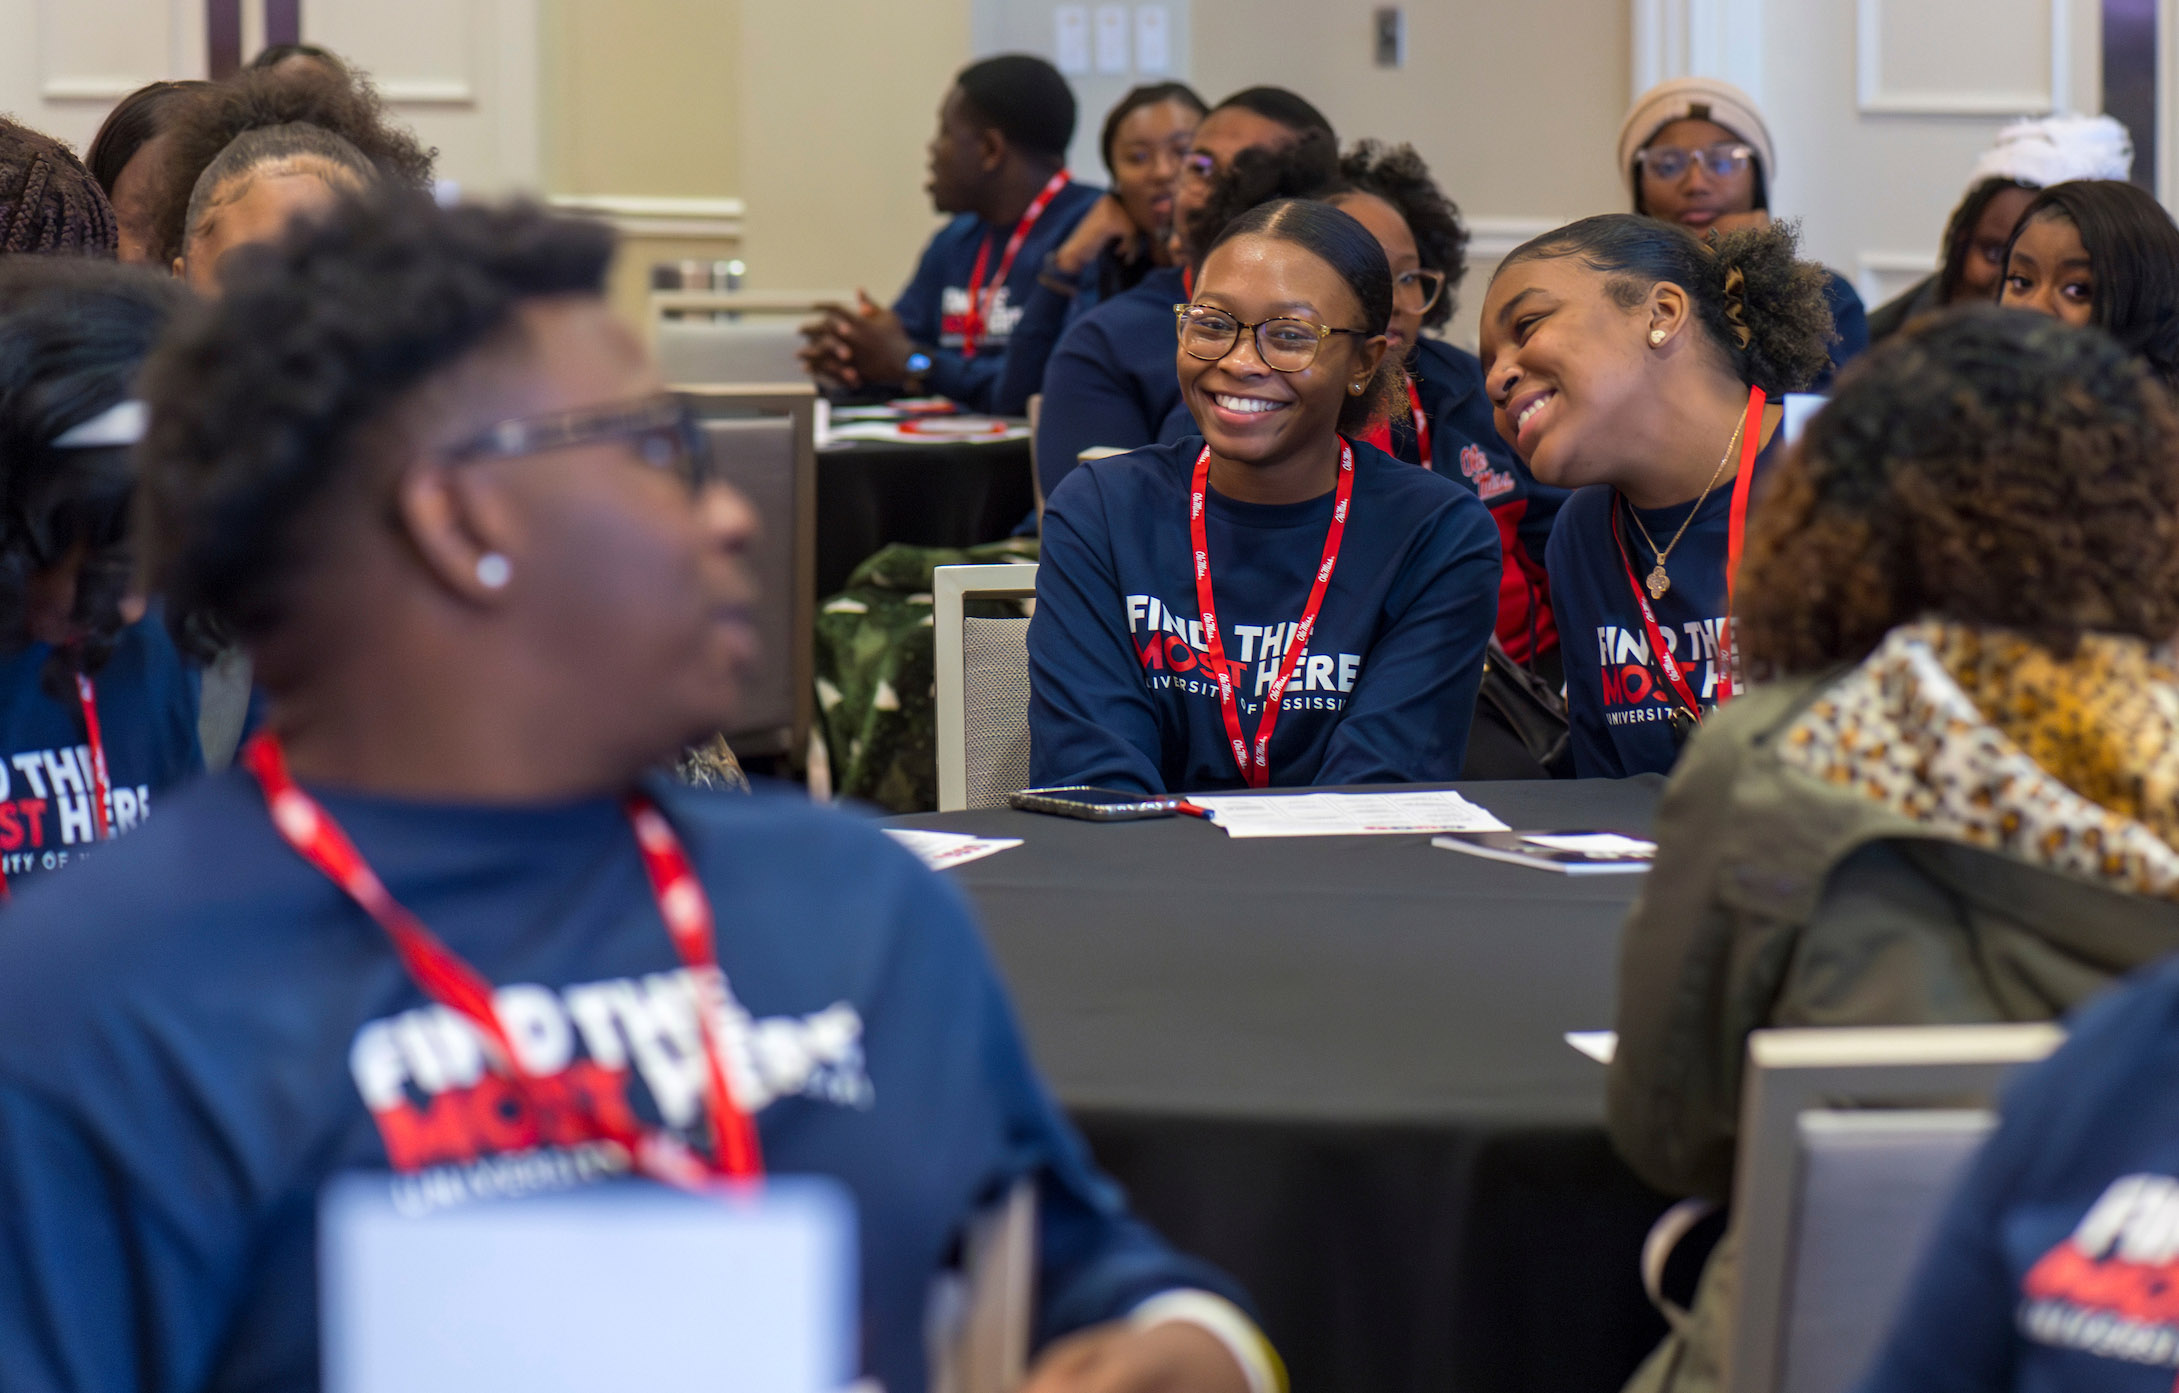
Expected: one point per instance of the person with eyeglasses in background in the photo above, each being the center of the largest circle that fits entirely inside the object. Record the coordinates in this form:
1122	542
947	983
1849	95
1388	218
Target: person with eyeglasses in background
1450	426
998	168
493	582
1110	380
1696	151
1276	602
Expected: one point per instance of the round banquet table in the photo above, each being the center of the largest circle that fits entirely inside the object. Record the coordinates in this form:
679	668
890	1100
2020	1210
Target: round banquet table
940	493
1336	1067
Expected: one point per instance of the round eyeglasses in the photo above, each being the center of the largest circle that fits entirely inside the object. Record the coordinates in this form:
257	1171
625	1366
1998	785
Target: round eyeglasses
1285	344
1669	162
1417	291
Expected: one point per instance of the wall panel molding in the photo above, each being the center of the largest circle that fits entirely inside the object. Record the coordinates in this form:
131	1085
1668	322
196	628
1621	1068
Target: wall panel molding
1876	95
1880	275
1710	38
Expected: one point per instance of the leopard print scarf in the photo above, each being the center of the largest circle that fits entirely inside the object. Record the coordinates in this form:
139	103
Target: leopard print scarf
1980	734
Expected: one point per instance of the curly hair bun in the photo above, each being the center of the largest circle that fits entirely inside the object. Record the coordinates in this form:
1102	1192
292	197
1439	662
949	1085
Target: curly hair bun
264	403
1987	467
1757	301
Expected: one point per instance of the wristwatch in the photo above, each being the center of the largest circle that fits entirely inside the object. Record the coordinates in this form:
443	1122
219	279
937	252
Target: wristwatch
919	363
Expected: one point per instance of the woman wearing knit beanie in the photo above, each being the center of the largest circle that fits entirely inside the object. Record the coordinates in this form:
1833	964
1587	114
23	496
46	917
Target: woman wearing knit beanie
1697	152
2027	156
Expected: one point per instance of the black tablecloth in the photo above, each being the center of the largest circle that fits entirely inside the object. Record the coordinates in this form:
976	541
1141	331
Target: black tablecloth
940	494
1336	1067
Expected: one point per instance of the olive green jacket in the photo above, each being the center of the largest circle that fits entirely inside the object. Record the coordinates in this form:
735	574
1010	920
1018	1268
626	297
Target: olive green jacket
1780	900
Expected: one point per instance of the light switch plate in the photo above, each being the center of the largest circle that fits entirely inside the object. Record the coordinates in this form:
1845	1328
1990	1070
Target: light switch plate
1390	28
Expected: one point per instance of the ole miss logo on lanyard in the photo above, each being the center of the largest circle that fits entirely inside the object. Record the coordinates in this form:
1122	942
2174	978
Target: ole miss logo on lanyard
444	977
980	300
1255	760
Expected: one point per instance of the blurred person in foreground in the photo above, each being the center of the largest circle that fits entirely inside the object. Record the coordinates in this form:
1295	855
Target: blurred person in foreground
415	461
1949	796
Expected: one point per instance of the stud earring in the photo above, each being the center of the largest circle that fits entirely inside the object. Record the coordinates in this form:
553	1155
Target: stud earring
1354	389
494	571
1656	337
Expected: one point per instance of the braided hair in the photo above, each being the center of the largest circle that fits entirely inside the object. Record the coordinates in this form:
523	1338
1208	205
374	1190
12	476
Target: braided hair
48	201
1756	301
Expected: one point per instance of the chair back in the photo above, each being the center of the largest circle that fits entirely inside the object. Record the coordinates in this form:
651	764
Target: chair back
982	671
733	335
982	1344
1850	1141
615	1285
763	437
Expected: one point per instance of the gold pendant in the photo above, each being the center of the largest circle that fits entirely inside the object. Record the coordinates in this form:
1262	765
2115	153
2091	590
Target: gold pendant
1659	582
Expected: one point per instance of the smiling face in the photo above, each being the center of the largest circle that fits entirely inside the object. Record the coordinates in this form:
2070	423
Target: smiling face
1146	153
1565	364
1248	412
1392	233
1697	198
2049	271
1984	260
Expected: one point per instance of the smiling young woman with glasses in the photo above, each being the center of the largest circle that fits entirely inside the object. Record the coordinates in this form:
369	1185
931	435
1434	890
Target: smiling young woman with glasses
1276	601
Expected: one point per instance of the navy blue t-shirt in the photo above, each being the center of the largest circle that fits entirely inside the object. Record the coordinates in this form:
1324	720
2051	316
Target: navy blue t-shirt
2055	1268
934	307
197	1030
1616	696
1465	446
1117	691
1849	321
147	717
1112	381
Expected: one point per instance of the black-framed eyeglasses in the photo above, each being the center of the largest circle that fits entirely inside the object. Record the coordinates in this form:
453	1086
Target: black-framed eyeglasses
1669	162
1417	291
1284	343
664	432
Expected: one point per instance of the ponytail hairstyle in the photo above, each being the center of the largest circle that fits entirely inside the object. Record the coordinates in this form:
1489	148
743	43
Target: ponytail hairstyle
73	333
1756	302
2133	257
1346	246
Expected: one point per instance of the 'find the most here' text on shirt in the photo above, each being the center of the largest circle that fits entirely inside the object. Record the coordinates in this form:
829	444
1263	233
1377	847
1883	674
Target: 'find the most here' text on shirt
1119	695
186	1057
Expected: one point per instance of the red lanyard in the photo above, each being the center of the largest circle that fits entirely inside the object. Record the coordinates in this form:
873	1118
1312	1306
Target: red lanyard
972	324
1736	529
101	784
454	984
1422	425
1256	764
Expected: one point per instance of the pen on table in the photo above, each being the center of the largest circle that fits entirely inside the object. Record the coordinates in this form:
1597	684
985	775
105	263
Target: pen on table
1192	809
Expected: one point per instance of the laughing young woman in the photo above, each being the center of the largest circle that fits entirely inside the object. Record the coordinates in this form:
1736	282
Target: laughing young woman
1276	602
1641	367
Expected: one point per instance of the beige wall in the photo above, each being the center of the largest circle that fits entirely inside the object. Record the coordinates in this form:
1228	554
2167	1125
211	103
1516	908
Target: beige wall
838	98
638	96
1515	106
815	112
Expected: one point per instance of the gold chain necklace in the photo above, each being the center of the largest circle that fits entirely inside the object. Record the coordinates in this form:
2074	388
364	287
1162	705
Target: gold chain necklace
1658	581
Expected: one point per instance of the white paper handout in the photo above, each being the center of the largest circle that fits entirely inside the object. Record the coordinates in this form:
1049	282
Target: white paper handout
1345	814
938	850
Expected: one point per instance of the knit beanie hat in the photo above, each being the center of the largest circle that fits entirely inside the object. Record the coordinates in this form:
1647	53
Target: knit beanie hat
1697	99
2053	149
